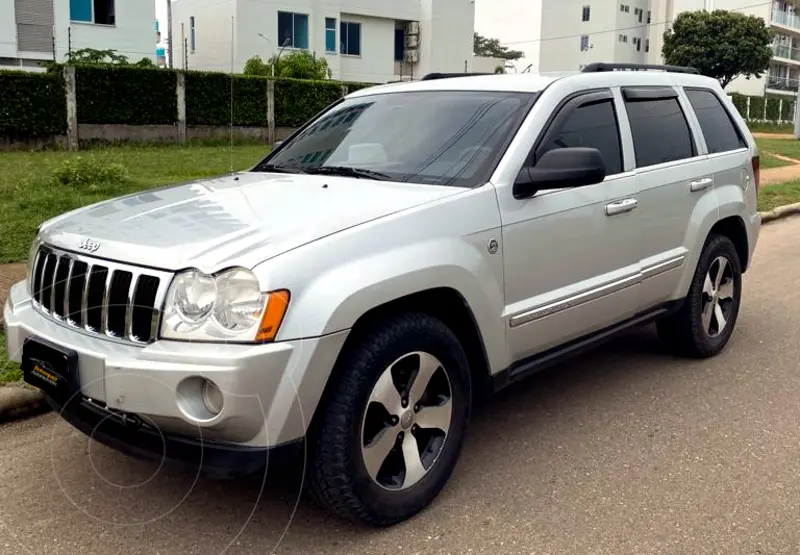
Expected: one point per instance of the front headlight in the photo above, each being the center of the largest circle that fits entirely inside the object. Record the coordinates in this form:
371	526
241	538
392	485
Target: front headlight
229	306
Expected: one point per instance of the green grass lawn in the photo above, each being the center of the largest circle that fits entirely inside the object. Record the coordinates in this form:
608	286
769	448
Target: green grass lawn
766	127
772	196
9	371
785	147
768	161
28	195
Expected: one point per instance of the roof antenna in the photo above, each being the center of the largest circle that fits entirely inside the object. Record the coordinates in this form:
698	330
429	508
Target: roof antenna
231	127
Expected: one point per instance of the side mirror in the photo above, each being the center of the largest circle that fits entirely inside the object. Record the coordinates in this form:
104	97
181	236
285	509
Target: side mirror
560	168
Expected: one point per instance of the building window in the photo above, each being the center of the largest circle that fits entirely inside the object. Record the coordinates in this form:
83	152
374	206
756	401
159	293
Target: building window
624	8
293	29
351	38
623	38
330	34
586	13
648	17
584	43
647	45
641	13
192	35
399	44
100	12
638	43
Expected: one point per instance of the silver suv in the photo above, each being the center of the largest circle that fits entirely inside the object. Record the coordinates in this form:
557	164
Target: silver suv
415	245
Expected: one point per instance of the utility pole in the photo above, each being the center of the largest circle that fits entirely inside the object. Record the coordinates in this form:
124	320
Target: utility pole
797	112
169	32
183	42
69	43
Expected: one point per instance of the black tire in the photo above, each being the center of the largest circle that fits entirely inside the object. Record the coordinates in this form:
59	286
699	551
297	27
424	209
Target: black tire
338	477
683	332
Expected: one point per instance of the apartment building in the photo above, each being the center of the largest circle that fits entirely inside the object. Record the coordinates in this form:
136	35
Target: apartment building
574	34
375	41
36	31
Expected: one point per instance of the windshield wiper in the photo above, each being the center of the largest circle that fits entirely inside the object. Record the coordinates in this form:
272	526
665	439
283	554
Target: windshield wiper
277	169
347	171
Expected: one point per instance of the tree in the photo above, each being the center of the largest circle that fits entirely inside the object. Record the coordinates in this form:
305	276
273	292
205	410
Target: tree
296	65
482	46
719	44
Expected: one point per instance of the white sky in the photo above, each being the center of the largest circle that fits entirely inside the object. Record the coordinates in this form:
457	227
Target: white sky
514	21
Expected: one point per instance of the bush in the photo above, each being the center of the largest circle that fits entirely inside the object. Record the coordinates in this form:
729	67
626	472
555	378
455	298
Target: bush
126	95
208	99
297	101
740	101
773	109
87	174
757	108
787	110
32	104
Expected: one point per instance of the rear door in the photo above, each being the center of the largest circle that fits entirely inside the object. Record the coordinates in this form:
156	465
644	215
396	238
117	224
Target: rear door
672	178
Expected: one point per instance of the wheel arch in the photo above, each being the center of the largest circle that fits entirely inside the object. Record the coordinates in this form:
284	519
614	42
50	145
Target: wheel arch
443	303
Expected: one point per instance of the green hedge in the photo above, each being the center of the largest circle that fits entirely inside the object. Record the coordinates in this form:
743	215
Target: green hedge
32	104
126	95
773	109
208	99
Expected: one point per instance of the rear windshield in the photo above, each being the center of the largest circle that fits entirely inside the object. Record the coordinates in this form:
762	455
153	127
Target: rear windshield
430	137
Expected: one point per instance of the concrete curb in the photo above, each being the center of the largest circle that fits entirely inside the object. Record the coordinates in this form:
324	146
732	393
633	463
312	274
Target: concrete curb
780	212
18	401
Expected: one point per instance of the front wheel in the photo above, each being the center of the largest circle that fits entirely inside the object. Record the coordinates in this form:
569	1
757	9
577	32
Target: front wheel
391	430
705	321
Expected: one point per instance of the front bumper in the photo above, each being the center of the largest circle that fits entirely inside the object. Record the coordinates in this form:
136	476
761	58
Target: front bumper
270	391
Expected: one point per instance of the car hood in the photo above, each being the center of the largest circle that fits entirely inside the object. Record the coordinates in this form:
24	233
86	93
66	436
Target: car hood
236	220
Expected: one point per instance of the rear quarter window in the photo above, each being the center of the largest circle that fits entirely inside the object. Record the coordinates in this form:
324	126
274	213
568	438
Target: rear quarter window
719	130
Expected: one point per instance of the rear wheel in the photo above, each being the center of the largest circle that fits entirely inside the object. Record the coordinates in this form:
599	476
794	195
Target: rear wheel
393	424
705	322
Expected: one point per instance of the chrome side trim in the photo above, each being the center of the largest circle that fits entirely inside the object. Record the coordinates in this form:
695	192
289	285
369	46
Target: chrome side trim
661	267
595	293
573	301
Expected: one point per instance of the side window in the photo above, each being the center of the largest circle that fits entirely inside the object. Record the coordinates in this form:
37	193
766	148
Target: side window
659	128
592	125
718	129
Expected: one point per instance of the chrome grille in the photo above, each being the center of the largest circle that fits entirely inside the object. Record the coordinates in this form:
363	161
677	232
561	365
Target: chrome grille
97	296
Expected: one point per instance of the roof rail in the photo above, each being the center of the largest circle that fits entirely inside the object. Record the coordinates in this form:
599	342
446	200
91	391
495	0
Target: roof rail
601	66
431	76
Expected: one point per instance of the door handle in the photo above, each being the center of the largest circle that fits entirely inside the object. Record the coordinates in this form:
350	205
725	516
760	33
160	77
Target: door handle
622	206
700	184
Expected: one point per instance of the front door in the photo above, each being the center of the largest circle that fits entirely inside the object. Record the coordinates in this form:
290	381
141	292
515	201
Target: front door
571	256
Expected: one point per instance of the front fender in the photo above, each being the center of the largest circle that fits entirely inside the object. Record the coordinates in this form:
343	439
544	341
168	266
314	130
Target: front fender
337	298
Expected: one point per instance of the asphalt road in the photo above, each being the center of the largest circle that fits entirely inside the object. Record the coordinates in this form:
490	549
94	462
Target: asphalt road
626	450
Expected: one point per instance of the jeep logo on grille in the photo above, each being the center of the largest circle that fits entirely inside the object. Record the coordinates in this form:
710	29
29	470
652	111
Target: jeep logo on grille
89	245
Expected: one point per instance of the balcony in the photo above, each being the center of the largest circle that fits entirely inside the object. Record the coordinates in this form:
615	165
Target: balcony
785	85
786	52
785	19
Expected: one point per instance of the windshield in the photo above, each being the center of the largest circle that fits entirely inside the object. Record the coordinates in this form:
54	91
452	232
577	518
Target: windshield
433	137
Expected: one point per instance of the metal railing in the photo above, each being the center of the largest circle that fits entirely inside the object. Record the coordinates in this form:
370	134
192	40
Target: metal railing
776	83
784	51
787	19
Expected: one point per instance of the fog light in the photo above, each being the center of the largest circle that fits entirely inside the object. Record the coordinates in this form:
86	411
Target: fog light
212	397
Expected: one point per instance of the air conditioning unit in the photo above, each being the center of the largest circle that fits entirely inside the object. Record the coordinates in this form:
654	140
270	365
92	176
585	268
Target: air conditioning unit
411	56
412	28
412	41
